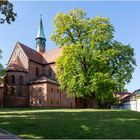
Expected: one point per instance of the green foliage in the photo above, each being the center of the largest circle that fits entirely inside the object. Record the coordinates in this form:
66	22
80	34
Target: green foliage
7	13
2	70
92	63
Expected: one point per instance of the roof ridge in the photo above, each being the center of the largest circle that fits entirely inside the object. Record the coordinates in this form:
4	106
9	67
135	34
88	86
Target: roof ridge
31	53
21	44
47	57
52	49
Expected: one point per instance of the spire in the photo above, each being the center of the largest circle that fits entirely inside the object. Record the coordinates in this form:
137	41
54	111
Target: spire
40	33
40	38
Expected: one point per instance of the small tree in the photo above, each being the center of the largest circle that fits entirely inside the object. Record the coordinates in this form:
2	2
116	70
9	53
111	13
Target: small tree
7	13
93	65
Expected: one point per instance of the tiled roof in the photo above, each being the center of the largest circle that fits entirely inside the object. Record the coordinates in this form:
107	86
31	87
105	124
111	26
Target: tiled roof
47	57
52	55
43	79
32	54
122	93
136	92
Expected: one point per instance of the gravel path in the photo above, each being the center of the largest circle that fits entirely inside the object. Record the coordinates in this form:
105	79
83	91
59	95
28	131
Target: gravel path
6	135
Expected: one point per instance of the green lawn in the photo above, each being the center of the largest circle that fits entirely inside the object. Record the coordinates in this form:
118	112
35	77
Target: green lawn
71	123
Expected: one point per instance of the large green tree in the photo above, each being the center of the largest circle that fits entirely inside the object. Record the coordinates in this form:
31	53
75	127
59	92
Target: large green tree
7	13
93	64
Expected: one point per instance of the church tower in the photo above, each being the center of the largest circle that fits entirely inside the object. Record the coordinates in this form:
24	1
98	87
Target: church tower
40	38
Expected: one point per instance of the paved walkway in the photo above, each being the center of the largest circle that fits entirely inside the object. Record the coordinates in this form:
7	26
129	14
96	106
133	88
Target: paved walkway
6	135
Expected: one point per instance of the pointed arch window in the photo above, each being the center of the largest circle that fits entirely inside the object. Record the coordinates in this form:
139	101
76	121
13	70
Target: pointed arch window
20	80
51	102
13	91
6	79
20	83
6	82
12	79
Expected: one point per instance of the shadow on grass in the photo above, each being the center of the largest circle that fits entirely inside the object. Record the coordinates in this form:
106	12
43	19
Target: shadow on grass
71	124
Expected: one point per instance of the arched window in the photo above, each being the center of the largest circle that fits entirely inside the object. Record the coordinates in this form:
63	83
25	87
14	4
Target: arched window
6	82
12	91
36	71
12	79
51	102
57	102
20	80
6	78
20	85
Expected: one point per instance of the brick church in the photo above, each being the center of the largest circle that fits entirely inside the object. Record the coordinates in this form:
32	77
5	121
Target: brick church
31	78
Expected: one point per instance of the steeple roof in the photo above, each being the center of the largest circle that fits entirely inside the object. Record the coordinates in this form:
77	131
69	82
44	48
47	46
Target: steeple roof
40	32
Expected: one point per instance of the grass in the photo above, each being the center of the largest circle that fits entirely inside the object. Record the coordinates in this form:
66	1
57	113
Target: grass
71	123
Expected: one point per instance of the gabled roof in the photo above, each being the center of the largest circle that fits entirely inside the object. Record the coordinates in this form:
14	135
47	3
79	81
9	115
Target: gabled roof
122	95
45	58
32	54
136	92
16	65
52	55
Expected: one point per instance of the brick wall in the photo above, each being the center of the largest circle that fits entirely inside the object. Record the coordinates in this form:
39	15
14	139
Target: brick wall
53	68
16	84
58	98
16	101
49	95
38	95
32	70
15	95
18	51
50	71
1	96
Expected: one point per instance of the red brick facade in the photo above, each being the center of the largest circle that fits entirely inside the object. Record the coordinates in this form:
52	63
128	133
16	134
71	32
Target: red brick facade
1	96
31	81
49	95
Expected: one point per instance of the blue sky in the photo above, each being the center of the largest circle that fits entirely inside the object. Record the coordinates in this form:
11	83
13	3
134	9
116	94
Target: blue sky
125	17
